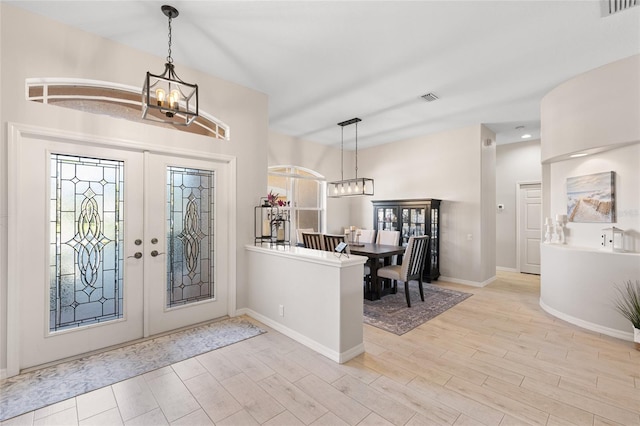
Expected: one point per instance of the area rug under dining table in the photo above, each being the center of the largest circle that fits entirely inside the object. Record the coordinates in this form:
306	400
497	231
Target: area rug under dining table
30	391
392	314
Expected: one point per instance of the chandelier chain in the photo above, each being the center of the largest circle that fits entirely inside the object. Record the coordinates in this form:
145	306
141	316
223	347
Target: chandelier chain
169	58
342	154
356	150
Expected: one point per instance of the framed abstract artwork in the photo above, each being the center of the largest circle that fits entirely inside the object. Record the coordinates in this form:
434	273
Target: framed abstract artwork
591	198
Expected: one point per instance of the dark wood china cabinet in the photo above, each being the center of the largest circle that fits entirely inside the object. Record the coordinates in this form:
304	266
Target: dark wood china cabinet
412	217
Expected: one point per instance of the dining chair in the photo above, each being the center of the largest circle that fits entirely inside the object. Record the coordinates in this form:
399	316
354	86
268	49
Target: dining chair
411	268
331	241
301	231
390	238
312	240
367	235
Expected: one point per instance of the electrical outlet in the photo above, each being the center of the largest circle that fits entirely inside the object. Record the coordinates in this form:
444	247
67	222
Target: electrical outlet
281	310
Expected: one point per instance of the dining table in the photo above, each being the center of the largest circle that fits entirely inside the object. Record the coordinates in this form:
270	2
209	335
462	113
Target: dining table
374	253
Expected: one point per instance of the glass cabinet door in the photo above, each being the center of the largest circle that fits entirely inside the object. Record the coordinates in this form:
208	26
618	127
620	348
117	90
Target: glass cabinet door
413	223
387	219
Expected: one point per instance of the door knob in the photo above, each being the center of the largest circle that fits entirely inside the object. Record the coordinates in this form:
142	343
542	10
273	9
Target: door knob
154	253
154	241
137	255
137	242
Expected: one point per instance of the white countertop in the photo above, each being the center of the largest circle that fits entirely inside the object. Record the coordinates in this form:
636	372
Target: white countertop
309	255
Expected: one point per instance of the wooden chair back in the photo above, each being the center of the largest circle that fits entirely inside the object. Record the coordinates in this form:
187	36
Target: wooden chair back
312	240
414	258
331	241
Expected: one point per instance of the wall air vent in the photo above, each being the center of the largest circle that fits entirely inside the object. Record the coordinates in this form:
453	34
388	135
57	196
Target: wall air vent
429	97
609	7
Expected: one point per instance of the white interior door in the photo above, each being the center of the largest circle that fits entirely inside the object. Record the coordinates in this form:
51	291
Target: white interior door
530	225
110	245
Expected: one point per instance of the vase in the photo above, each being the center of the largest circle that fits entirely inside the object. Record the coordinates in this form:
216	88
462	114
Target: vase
636	338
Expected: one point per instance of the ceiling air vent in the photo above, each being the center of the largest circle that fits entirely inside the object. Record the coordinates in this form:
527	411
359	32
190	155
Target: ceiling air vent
609	7
429	97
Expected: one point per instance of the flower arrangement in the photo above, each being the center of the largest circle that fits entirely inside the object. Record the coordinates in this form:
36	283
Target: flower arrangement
272	199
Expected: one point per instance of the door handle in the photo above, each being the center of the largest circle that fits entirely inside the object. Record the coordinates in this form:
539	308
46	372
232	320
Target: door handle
137	255
155	253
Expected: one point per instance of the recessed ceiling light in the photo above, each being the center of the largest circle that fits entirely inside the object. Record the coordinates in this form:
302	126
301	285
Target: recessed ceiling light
582	154
526	136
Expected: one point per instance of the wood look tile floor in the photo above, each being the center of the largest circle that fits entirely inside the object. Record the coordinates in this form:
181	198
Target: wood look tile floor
494	359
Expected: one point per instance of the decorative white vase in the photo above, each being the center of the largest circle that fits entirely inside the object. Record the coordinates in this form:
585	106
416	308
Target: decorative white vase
636	338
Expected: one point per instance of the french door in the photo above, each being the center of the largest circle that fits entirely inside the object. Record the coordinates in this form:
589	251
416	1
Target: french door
111	245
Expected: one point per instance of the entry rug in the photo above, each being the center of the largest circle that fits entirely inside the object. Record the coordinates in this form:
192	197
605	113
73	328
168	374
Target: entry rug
391	313
37	389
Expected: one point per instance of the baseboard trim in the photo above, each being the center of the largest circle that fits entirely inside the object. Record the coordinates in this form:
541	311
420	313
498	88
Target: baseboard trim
466	282
586	324
505	269
339	357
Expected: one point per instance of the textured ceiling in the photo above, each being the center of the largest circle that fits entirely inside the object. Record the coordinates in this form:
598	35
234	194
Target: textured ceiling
324	62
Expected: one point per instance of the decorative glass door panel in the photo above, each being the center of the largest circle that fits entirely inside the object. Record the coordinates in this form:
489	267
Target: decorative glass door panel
191	224
86	272
186	272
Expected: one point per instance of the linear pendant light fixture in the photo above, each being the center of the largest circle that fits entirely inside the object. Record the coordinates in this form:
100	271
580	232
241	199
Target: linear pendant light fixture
350	187
165	97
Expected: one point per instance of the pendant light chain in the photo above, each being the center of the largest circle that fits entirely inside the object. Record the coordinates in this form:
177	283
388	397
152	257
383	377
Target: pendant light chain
169	58
342	154
356	150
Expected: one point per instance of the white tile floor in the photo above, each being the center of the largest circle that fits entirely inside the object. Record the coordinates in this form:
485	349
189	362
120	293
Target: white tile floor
494	359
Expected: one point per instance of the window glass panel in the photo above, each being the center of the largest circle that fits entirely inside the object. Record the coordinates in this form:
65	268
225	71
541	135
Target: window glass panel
190	227
308	219
303	189
308	193
86	248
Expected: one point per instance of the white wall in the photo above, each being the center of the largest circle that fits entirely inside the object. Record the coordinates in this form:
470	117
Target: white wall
515	162
625	162
446	166
32	46
452	166
596	112
488	202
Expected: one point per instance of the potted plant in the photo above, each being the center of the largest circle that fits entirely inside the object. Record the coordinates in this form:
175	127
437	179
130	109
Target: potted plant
628	304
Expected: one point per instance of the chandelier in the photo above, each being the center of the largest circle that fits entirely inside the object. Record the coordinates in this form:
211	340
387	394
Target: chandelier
165	97
349	187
